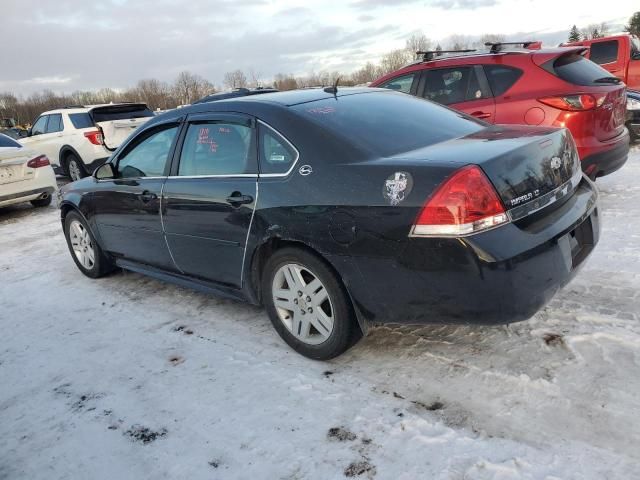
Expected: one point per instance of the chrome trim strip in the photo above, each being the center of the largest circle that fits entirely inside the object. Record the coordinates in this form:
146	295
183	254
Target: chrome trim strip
246	240
164	233
239	175
277	175
549	198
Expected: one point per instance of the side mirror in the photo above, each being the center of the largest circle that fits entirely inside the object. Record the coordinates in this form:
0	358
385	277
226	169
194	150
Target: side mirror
104	172
635	56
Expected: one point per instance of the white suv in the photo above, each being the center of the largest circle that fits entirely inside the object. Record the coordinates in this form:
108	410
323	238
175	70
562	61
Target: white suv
77	140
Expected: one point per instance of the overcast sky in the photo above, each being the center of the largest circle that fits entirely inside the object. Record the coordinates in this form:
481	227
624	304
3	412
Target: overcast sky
67	45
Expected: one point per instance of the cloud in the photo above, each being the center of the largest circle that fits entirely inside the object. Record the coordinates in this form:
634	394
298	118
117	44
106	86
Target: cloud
462	4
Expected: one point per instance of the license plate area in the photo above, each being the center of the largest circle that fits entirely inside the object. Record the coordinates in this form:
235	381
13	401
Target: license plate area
581	241
8	175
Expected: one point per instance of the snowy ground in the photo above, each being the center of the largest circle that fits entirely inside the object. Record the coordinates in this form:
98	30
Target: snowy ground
130	378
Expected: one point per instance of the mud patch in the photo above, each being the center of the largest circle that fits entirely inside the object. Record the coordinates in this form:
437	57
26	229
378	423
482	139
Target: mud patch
145	435
341	434
176	360
83	401
553	339
356	469
432	407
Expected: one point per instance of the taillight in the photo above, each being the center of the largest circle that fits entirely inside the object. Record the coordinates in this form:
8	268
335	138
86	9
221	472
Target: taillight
574	103
465	203
39	161
94	136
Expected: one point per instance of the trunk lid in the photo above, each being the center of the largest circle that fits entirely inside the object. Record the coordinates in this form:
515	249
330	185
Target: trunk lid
530	167
13	165
117	122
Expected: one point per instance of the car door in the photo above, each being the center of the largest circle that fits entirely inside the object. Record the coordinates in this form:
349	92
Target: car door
126	208
37	134
210	197
50	141
463	88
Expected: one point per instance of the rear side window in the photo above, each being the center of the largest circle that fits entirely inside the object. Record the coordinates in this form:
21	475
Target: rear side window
120	112
55	123
400	84
276	154
576	69
8	142
81	120
387	123
604	52
217	148
501	78
452	85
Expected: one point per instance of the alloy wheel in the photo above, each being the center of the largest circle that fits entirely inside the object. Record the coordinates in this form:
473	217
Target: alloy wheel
302	303
74	170
81	244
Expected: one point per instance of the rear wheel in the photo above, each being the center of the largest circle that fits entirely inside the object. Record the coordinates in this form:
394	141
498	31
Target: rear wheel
75	167
42	202
83	247
307	304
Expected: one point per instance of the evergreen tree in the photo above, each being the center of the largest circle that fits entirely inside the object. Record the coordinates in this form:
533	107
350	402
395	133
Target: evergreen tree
438	48
574	34
634	24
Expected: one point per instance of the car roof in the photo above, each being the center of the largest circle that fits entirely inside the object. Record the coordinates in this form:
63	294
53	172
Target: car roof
239	92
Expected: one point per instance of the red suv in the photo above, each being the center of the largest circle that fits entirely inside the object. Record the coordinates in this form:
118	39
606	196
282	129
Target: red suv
553	87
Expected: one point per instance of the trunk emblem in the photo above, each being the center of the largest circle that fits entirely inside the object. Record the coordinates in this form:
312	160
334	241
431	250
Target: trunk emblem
556	162
305	170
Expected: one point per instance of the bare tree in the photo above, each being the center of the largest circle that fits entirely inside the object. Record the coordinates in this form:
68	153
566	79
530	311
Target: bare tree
488	38
394	60
417	42
366	74
254	78
188	87
458	42
285	82
235	79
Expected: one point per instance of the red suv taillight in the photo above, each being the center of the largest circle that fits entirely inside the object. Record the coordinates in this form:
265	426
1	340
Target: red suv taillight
39	161
574	103
94	136
465	203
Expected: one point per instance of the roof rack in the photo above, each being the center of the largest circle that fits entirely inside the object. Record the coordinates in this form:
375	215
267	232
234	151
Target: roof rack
497	47
429	55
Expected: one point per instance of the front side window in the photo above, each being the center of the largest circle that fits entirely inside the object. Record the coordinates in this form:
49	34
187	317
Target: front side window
400	84
40	126
55	123
604	52
276	154
452	85
217	148
148	157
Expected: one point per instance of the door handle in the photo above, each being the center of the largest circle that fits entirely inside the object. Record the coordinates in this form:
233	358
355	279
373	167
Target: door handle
147	196
236	199
480	114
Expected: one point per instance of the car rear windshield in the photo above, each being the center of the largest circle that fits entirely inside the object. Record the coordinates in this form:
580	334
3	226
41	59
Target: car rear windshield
120	112
81	120
388	123
576	69
8	142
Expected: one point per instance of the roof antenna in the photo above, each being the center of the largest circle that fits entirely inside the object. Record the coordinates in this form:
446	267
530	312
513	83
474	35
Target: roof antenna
333	89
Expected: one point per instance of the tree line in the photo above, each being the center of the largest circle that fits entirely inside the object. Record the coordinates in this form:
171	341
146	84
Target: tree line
189	87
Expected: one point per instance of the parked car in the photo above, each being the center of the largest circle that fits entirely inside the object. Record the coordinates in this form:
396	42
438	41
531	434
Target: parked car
548	87
235	93
14	132
24	175
335	208
79	139
620	55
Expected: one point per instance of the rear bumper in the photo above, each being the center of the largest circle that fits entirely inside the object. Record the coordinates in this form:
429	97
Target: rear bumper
26	196
500	276
607	161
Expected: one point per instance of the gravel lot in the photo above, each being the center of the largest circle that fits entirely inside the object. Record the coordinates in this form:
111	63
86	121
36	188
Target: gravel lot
130	378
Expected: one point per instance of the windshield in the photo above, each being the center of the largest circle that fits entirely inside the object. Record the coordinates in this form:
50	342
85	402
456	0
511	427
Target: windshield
388	123
120	112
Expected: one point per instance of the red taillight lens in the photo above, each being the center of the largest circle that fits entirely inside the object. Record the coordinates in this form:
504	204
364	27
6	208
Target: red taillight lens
574	103
94	136
465	203
39	161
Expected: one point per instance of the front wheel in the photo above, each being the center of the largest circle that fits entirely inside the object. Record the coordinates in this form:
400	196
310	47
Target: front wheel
75	168
307	304
84	249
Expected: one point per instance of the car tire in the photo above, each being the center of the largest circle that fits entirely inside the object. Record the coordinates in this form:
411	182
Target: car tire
84	249
294	285
42	202
75	167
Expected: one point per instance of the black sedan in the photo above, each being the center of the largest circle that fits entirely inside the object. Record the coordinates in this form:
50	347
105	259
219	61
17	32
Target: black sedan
339	209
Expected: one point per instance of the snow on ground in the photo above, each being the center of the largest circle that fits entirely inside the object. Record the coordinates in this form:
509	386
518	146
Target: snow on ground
130	378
